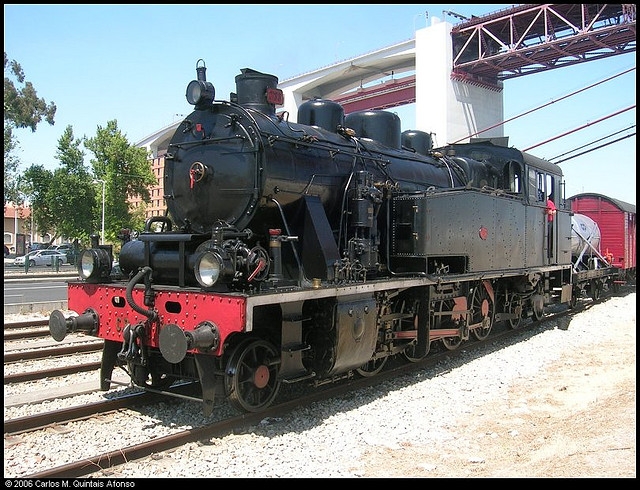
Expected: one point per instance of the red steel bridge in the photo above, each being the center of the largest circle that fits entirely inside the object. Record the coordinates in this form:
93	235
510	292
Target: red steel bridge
518	41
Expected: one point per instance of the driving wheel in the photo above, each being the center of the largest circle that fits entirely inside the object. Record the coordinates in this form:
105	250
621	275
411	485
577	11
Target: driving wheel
451	343
482	311
515	306
409	321
538	310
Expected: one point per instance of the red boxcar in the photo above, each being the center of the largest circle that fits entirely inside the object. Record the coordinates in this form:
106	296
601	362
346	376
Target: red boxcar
617	222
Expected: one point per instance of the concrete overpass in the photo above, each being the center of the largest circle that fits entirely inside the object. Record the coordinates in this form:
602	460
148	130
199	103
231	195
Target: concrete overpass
455	74
451	109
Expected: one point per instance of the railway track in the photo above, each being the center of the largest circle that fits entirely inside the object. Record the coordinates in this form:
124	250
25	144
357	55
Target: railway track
29	354
86	466
24	377
30	423
25	324
20	342
14	331
24	358
20	334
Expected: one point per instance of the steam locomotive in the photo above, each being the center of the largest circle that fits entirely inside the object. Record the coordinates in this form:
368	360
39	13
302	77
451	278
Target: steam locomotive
317	250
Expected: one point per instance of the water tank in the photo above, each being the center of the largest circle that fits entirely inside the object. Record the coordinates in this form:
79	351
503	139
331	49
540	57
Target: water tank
324	114
380	126
584	231
419	141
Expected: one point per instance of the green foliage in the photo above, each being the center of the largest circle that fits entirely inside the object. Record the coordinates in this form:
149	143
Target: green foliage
11	163
36	183
71	196
70	155
22	109
63	201
72	200
127	173
68	202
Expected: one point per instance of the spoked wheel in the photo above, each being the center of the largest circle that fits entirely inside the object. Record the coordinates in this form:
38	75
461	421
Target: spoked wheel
251	376
410	353
515	306
450	343
482	311
538	310
372	368
409	322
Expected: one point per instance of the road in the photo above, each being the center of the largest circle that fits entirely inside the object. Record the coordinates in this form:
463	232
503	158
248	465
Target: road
42	288
28	291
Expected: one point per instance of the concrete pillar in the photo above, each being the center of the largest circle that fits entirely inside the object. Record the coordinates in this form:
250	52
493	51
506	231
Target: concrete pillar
292	100
451	109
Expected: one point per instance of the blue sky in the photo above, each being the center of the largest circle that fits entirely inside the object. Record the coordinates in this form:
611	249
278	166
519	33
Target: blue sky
132	63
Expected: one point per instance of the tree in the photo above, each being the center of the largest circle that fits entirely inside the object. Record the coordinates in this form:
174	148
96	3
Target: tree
11	163
63	201
22	109
127	173
71	195
36	183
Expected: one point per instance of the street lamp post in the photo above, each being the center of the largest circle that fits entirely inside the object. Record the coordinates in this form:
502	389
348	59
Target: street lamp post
103	189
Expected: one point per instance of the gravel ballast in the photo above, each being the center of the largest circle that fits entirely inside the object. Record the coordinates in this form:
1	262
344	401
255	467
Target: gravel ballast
340	437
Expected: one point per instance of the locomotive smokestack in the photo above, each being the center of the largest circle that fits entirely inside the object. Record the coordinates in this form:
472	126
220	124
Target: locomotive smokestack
258	91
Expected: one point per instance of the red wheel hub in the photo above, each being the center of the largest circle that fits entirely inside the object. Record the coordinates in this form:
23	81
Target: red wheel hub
261	376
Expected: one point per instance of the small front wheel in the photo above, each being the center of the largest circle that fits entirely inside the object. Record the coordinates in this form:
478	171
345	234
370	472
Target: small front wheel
251	376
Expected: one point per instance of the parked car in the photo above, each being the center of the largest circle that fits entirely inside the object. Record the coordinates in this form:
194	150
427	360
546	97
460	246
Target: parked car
37	246
67	249
63	247
40	257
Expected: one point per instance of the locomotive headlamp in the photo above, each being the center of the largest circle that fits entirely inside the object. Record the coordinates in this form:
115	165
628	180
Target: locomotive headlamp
94	264
200	93
211	266
207	268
